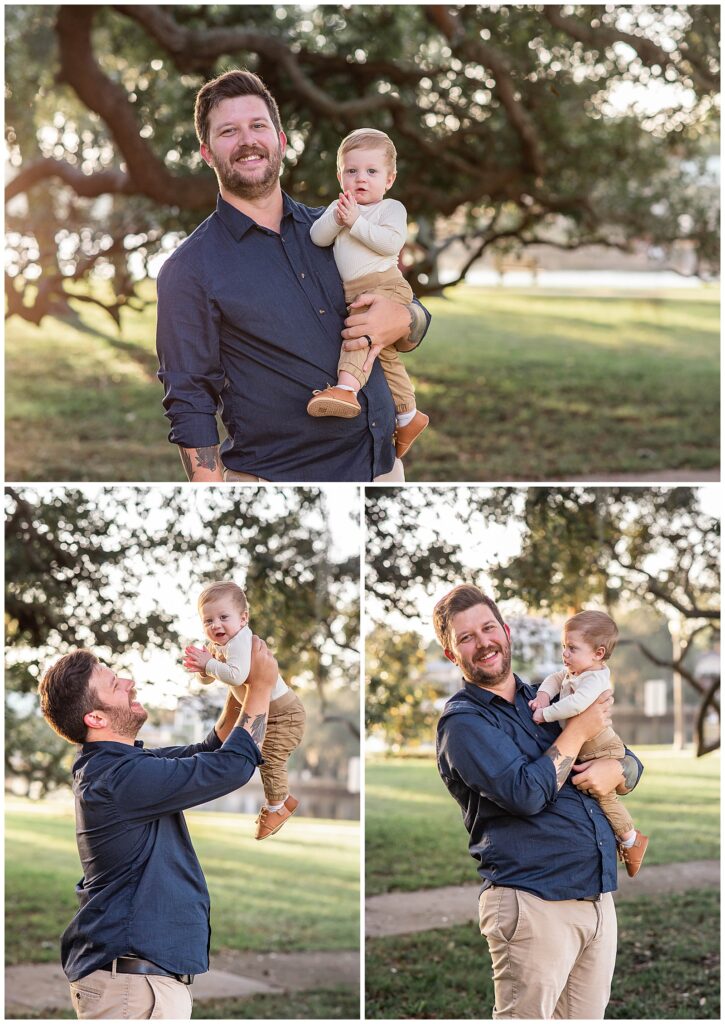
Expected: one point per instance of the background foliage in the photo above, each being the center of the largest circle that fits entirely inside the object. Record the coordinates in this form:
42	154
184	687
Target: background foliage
510	123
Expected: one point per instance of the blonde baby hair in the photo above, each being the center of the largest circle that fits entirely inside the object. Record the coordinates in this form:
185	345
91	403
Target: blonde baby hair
223	588
597	628
368	138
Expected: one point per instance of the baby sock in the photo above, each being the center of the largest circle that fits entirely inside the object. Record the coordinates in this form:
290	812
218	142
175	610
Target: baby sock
626	843
403	418
345	387
275	807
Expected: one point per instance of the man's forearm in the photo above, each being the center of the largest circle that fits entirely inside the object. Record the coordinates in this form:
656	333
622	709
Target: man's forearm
418	325
563	753
202	465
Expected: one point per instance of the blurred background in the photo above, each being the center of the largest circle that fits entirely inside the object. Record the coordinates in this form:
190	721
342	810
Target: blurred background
119	570
651	558
559	165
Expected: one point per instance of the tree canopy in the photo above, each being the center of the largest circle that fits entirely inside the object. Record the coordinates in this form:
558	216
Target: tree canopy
514	125
613	546
98	568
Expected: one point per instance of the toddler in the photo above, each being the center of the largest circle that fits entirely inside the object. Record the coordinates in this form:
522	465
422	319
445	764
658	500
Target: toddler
588	641
225	614
368	232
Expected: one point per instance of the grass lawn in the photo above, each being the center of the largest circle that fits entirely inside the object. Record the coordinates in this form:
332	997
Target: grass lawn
519	385
299	891
415	839
667	966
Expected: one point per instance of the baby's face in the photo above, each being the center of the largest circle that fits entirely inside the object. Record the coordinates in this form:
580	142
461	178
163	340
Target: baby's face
366	173
222	620
578	654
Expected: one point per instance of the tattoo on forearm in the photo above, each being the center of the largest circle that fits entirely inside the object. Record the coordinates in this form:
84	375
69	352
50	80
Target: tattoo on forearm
561	764
258	728
629	770
417	323
186	462
207	458
244	719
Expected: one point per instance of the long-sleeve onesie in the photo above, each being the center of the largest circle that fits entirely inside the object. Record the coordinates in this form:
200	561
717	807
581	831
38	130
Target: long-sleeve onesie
576	694
230	664
367	257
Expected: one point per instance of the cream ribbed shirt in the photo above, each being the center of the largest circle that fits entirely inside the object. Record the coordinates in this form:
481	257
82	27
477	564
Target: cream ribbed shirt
576	693
371	245
237	654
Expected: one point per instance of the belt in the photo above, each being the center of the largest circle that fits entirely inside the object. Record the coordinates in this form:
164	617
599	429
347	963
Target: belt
590	899
135	965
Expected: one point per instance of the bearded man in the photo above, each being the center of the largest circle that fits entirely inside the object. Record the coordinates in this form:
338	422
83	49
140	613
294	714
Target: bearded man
546	853
251	316
142	930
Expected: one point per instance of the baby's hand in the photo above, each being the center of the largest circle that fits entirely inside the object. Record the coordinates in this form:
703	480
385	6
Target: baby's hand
195	659
347	209
541	700
539	716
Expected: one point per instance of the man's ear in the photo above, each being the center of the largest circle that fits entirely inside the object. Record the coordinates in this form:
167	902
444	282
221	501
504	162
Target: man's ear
507	631
95	720
206	154
450	655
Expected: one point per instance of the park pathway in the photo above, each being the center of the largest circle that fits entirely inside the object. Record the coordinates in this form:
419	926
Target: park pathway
240	975
400	913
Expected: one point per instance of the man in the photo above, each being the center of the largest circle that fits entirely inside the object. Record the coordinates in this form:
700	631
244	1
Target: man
250	317
142	930
545	851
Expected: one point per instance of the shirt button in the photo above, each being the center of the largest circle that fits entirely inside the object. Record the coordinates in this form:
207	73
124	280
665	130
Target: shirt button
322	311
302	274
374	424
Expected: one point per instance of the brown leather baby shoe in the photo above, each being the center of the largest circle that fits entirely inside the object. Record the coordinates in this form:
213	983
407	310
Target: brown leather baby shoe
632	856
404	436
334	402
269	822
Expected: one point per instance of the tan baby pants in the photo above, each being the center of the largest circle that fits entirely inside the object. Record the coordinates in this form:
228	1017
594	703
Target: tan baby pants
608	744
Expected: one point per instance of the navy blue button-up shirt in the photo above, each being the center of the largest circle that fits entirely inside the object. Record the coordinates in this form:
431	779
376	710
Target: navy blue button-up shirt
250	320
524	832
143	890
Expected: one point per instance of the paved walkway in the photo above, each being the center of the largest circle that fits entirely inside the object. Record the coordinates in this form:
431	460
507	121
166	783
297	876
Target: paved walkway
400	913
232	976
240	975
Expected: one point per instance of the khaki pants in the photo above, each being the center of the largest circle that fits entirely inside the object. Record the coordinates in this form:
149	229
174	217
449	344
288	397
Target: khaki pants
392	285
395	476
608	744
104	996
551	958
285	729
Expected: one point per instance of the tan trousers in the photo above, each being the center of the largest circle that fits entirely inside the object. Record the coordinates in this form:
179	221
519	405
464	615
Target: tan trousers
103	996
608	744
392	285
395	476
552	959
285	729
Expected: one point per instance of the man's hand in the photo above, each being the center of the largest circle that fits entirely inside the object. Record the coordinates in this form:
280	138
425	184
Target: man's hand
202	465
541	700
590	722
195	659
381	319
347	211
598	777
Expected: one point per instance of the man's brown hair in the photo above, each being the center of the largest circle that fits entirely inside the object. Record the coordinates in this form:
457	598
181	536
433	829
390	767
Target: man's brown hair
596	628
460	599
223	588
66	695
225	87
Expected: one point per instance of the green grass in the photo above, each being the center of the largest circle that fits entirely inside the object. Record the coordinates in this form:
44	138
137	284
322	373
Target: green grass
298	891
518	385
667	966
415	838
317	1004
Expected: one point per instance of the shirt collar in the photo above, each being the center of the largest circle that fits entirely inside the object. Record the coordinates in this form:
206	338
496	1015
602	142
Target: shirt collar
483	696
239	223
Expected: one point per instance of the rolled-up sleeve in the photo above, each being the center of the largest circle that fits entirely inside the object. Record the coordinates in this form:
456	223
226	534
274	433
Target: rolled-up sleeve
490	763
187	343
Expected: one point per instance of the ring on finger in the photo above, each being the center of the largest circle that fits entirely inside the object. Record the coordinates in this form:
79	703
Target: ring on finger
369	340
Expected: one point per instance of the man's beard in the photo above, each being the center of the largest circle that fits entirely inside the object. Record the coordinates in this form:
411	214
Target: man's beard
234	180
482	676
124	721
